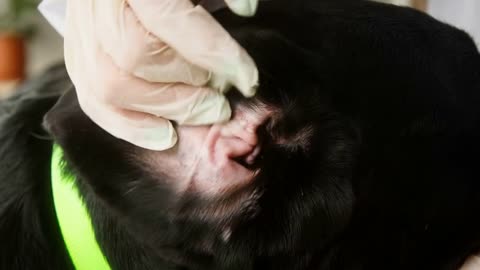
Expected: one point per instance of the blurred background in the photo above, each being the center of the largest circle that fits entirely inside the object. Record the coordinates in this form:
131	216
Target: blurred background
29	45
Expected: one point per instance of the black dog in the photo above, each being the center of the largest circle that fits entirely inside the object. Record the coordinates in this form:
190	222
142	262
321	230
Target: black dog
368	160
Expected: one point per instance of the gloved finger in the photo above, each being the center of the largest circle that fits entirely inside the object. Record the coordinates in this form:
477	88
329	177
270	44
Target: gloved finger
240	7
472	263
141	129
243	7
185	104
139	52
179	22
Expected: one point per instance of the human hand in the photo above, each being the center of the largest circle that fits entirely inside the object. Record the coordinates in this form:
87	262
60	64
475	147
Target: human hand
137	64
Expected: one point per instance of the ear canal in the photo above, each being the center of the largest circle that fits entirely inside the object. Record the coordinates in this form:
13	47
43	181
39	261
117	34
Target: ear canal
236	142
238	139
233	147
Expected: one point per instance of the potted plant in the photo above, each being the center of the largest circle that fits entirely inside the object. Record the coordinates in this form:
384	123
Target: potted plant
15	27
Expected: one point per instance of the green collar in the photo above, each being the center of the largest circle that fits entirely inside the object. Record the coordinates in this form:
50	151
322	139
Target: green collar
73	218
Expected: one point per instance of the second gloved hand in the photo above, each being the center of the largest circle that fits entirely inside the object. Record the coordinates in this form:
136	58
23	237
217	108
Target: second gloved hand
138	64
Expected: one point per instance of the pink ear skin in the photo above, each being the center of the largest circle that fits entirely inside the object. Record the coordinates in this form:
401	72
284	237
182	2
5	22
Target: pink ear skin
238	139
213	160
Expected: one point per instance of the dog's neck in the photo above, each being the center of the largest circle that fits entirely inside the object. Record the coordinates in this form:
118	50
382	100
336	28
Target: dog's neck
124	245
73	219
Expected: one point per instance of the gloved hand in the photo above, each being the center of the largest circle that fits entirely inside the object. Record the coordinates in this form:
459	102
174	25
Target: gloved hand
137	63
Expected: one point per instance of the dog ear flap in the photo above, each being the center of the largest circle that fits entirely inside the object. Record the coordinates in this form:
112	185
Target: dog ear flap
59	119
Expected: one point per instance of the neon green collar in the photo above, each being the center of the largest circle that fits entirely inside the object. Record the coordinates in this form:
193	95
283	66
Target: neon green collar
73	218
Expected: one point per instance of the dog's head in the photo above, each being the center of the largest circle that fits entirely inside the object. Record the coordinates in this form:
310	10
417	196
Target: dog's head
326	70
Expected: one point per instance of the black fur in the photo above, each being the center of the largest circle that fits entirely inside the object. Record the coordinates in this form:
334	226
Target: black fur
29	232
370	162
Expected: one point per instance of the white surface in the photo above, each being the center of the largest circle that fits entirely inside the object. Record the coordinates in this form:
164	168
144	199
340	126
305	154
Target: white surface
396	2
464	14
54	11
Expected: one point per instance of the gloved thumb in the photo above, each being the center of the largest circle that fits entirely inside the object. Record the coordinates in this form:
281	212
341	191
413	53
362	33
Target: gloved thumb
245	8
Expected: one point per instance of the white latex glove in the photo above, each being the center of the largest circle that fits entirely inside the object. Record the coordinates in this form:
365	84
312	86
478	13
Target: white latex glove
472	263
137	63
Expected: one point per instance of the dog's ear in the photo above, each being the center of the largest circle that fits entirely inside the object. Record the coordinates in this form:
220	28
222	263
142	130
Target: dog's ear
66	113
75	132
94	156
